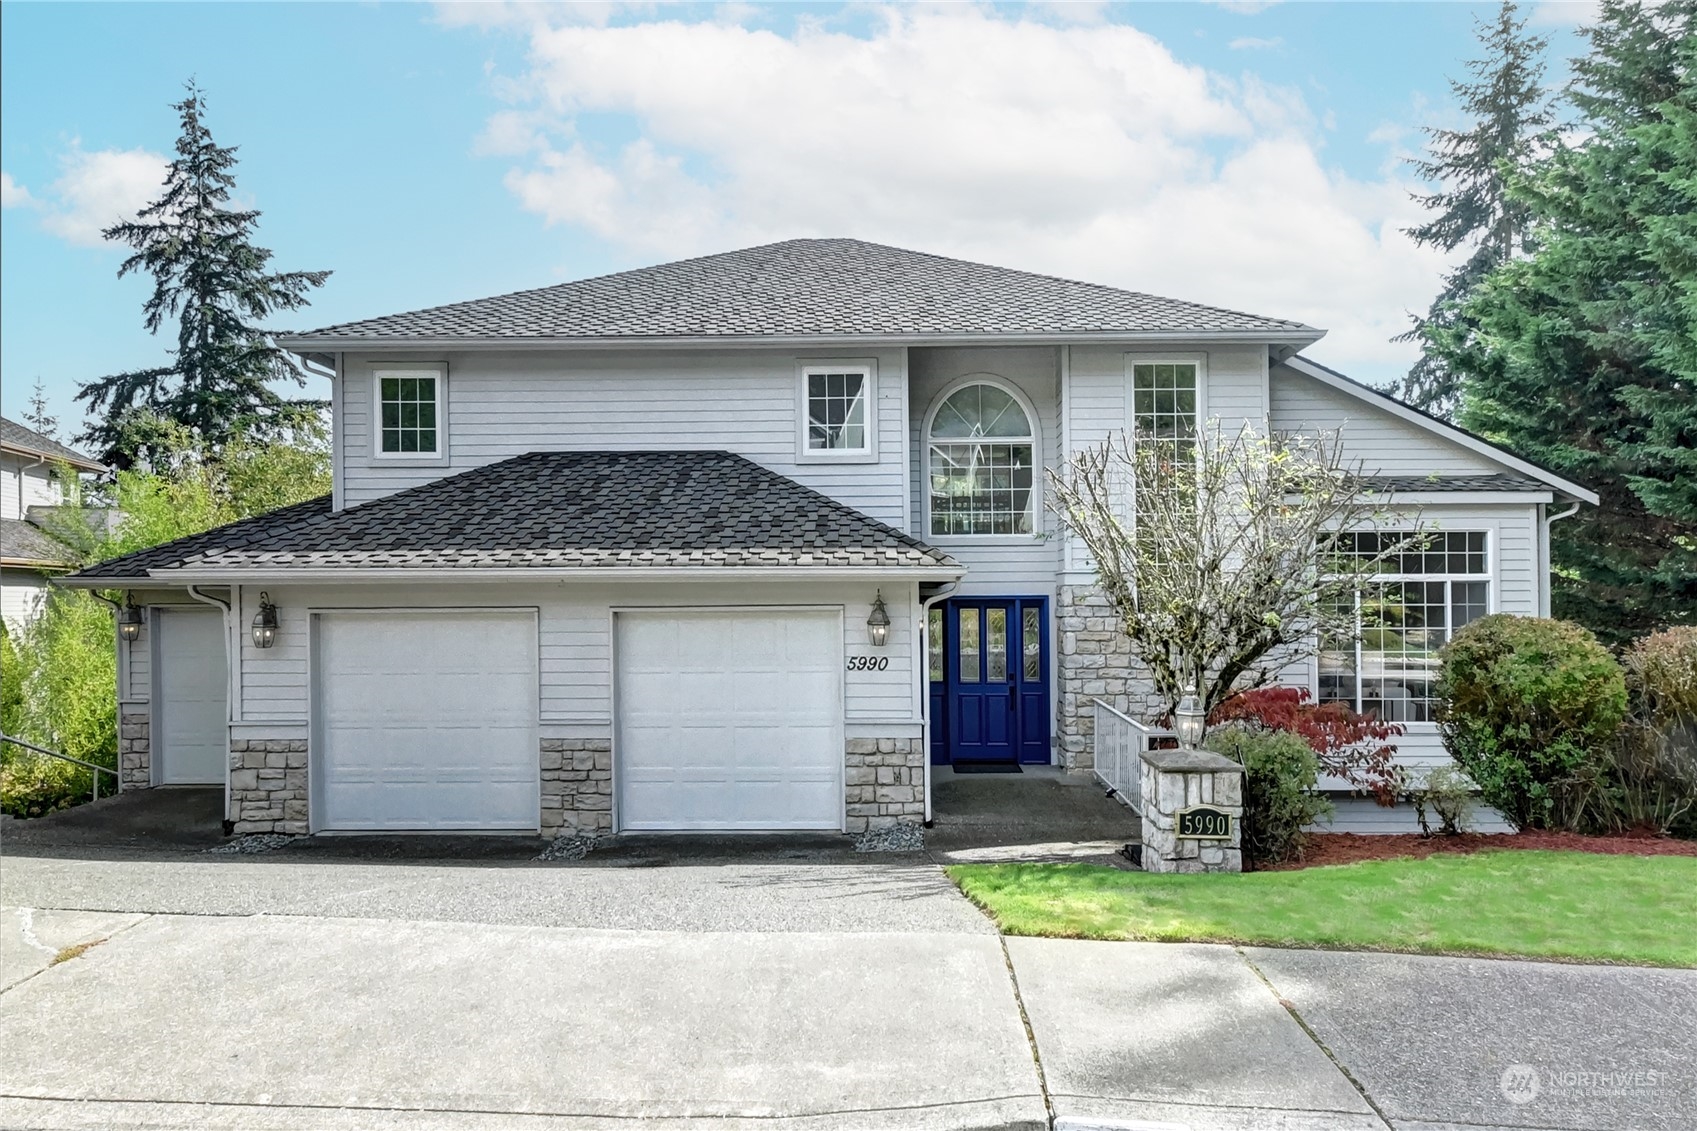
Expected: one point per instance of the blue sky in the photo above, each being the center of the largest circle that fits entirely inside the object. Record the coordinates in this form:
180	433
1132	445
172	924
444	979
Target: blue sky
1246	155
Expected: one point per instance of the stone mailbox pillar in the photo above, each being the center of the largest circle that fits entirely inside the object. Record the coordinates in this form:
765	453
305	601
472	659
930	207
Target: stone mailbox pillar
1192	812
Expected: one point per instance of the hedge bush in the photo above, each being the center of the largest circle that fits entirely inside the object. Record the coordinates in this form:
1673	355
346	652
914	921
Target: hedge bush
1280	771
1531	709
1657	757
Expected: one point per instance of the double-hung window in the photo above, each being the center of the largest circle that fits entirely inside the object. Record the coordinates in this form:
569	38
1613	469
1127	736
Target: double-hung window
1404	613
1164	407
837	406
409	411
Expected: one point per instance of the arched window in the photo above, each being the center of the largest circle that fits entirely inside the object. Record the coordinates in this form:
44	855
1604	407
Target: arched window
982	464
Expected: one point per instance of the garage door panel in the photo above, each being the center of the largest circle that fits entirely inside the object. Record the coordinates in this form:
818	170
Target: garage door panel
730	720
428	722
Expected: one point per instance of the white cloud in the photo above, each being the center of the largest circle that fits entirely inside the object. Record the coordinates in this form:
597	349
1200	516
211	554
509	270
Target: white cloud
1246	7
99	189
1090	152
12	194
1254	43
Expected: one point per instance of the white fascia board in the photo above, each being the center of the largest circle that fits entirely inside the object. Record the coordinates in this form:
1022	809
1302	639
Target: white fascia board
1431	424
523	574
1462	498
81	463
353	343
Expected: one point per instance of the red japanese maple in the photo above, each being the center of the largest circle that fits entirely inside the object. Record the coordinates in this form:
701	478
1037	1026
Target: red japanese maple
1350	745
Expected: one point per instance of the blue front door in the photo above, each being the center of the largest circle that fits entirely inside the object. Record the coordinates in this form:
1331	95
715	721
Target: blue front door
992	702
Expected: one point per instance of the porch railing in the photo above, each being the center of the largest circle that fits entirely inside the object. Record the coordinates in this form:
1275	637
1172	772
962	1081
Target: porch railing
1119	745
95	773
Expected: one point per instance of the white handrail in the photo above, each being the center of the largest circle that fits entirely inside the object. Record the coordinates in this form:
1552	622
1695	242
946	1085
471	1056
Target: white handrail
1119	745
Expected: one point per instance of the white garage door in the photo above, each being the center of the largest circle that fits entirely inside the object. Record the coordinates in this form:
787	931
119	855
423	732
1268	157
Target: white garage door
730	720
193	712
426	721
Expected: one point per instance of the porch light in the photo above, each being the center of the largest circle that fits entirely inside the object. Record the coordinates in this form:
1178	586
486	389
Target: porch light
1190	721
265	623
129	620
878	624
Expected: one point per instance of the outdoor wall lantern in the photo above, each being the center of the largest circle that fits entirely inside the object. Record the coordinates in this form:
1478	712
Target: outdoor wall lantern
1190	721
129	620
265	623
878	624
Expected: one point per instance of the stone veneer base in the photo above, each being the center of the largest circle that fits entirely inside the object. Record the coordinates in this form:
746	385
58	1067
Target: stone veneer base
268	786
1177	779
135	751
1093	660
577	787
884	782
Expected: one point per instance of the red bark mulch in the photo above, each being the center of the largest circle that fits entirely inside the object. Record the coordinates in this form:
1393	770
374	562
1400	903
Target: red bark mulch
1349	848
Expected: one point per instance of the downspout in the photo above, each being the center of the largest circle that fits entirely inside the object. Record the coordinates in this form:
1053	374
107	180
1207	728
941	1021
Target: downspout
229	684
923	661
1544	589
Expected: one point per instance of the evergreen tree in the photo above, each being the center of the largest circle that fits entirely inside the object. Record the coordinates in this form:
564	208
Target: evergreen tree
1510	110
37	416
211	278
1583	355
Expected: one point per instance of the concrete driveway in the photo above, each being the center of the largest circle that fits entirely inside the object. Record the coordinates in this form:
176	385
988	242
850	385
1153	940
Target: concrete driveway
741	992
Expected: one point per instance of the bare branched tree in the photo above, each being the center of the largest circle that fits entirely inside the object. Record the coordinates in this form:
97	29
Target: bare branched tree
1227	557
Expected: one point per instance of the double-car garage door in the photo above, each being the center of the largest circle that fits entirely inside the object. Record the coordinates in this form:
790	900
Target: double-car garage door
725	720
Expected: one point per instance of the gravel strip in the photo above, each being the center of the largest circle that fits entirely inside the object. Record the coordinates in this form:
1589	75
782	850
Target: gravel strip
255	842
569	848
891	838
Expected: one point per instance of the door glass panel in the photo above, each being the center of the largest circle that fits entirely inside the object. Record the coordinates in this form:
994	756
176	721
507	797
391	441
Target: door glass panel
996	644
970	667
1032	641
934	644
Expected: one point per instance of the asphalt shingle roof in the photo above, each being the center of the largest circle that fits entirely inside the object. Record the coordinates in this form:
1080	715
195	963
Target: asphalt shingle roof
558	509
25	543
1491	482
825	287
15	435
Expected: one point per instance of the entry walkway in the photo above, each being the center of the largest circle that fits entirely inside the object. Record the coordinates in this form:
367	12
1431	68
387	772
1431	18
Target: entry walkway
1043	814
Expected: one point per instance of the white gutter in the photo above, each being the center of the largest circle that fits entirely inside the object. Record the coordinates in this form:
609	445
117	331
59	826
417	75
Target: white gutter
355	574
921	663
1305	336
1544	558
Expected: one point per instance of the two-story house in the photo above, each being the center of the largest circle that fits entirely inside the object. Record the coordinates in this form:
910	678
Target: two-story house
748	541
30	488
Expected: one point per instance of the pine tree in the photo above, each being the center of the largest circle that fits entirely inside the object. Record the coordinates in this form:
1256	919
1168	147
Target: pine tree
215	283
1511	114
37	416
1583	355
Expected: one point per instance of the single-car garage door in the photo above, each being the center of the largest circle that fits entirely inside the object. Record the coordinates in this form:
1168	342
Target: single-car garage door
730	720
426	720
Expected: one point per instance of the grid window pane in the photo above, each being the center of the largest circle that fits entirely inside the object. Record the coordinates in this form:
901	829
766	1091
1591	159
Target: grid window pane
836	412
408	409
981	488
1418	598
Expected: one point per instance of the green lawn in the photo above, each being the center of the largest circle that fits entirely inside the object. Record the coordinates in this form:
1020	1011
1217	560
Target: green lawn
1630	909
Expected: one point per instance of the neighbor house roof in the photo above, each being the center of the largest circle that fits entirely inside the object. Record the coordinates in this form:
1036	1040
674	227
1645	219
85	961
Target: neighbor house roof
24	544
554	510
14	437
809	290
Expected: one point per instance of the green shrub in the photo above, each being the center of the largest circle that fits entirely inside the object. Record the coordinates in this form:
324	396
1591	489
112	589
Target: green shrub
1531	708
1280	771
61	693
1656	764
1444	793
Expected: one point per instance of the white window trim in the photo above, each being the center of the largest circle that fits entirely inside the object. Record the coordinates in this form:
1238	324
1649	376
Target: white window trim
1037	465
438	371
1493	599
868	369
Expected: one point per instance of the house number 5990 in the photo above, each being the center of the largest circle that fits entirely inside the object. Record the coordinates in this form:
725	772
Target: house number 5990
868	663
